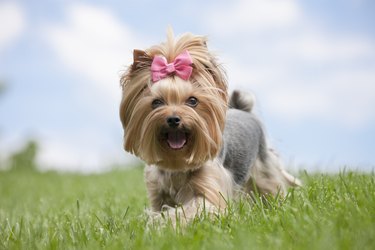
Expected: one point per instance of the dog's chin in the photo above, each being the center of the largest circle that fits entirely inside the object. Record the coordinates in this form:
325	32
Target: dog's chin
174	139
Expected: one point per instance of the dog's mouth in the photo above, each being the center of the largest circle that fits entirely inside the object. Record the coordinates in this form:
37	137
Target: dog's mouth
176	139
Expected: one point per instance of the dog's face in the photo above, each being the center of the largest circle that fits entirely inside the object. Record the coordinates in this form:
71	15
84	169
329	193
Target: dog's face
173	123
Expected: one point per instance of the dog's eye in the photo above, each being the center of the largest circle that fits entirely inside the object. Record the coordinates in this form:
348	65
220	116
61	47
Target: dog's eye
157	103
192	101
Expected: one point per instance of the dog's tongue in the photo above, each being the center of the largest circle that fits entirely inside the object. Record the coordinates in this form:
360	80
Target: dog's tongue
176	139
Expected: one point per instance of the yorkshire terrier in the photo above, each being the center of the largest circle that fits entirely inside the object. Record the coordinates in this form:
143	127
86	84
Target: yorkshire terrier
200	146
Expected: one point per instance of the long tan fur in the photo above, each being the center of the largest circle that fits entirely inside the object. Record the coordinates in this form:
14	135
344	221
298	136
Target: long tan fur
140	120
191	177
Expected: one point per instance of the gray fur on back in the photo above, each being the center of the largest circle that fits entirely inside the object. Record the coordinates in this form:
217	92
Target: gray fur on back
243	143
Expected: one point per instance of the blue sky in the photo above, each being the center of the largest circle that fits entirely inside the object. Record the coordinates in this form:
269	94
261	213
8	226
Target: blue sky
310	64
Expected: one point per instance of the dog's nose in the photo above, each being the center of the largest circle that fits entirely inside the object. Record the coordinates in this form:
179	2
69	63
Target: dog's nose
173	121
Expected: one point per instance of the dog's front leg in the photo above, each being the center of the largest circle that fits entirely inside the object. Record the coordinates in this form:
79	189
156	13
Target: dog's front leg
181	196
184	213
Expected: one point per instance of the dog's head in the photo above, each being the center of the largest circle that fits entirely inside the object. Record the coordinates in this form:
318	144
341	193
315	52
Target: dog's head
174	121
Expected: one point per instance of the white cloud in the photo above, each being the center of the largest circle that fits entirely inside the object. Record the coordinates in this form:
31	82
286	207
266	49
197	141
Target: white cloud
302	70
94	43
321	47
83	151
254	15
12	23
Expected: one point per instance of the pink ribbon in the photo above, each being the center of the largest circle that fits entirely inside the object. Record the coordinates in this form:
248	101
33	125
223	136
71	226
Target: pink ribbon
181	66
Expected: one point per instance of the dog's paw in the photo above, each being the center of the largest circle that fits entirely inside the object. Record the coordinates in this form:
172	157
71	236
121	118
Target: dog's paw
168	216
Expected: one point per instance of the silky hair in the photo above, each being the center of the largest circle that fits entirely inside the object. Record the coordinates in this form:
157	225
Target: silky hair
142	123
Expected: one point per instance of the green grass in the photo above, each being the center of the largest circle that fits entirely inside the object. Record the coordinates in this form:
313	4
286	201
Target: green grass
66	211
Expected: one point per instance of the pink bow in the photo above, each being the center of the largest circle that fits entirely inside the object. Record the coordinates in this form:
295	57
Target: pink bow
181	66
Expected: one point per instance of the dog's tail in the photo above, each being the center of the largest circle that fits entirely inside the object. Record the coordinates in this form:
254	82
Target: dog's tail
242	101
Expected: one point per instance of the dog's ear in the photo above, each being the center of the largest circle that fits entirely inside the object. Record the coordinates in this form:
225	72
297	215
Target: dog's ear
140	59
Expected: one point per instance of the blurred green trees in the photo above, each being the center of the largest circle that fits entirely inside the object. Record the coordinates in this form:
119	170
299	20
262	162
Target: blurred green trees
2	87
25	158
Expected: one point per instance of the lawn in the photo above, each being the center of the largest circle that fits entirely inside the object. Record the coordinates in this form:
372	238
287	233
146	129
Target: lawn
70	211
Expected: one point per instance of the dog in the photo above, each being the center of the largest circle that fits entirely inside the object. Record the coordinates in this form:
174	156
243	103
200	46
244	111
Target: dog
201	146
